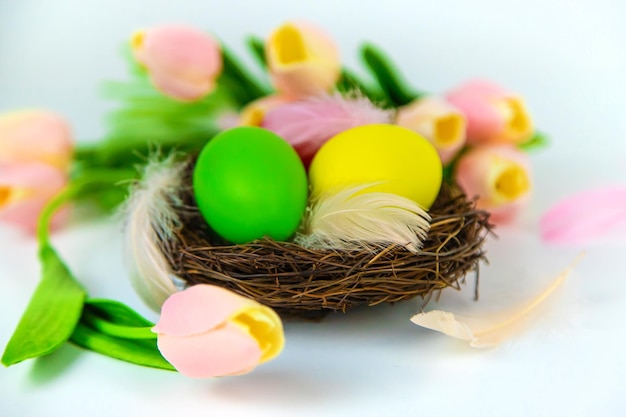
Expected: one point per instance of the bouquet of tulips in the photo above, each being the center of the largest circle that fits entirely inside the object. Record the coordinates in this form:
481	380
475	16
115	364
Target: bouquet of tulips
186	88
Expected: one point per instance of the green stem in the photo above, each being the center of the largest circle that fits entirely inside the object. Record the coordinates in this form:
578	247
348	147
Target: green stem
75	188
117	330
43	222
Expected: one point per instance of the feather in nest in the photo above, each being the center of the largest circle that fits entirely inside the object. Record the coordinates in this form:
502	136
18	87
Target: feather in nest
308	124
352	220
151	218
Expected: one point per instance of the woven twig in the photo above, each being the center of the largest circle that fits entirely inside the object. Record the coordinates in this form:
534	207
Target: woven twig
309	283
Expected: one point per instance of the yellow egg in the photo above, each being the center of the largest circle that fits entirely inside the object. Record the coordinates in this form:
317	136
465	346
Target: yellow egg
394	159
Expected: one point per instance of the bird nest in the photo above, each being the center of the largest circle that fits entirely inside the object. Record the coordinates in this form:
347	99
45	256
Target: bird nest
306	283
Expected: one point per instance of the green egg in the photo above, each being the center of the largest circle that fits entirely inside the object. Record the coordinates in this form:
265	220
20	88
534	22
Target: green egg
250	183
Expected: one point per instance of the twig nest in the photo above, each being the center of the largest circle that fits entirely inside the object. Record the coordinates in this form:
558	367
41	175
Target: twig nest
302	282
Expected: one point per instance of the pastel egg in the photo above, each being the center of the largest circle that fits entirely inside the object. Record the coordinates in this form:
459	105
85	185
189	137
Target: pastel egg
393	159
249	183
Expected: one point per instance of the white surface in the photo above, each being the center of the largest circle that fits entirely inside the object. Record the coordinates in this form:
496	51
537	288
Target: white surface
568	59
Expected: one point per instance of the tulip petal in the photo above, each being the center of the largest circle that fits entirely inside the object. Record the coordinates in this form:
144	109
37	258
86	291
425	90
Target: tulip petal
302	60
35	136
263	324
584	216
227	350
493	114
25	189
254	113
499	175
438	121
183	62
197	309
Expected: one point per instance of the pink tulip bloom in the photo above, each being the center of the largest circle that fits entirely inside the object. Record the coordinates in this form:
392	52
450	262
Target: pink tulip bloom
183	63
25	188
438	121
35	136
254	113
302	60
206	331
308	124
493	114
499	175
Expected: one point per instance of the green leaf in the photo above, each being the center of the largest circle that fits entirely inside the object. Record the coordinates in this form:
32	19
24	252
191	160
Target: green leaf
147	120
538	141
116	312
57	303
234	74
398	92
51	315
138	351
107	188
257	47
349	83
116	320
142	351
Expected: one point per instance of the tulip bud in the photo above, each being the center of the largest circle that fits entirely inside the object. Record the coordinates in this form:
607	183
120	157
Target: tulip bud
35	136
499	175
183	63
254	113
302	60
493	114
207	331
438	121
25	188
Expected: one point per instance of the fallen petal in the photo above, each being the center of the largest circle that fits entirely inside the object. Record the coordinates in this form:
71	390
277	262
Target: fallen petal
584	216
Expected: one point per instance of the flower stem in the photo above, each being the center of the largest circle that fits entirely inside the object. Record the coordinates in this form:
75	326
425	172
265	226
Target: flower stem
117	330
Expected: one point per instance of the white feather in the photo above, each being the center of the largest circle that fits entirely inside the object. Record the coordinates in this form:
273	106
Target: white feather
348	220
150	218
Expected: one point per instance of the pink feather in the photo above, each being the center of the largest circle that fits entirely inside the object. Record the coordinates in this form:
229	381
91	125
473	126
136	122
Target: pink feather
309	123
585	216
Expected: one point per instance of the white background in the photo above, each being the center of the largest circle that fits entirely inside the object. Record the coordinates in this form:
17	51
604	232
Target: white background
567	57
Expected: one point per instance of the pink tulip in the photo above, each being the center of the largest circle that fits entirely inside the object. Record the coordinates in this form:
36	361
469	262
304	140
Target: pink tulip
499	175
35	136
183	62
302	60
254	113
25	188
308	124
493	114
438	121
206	331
